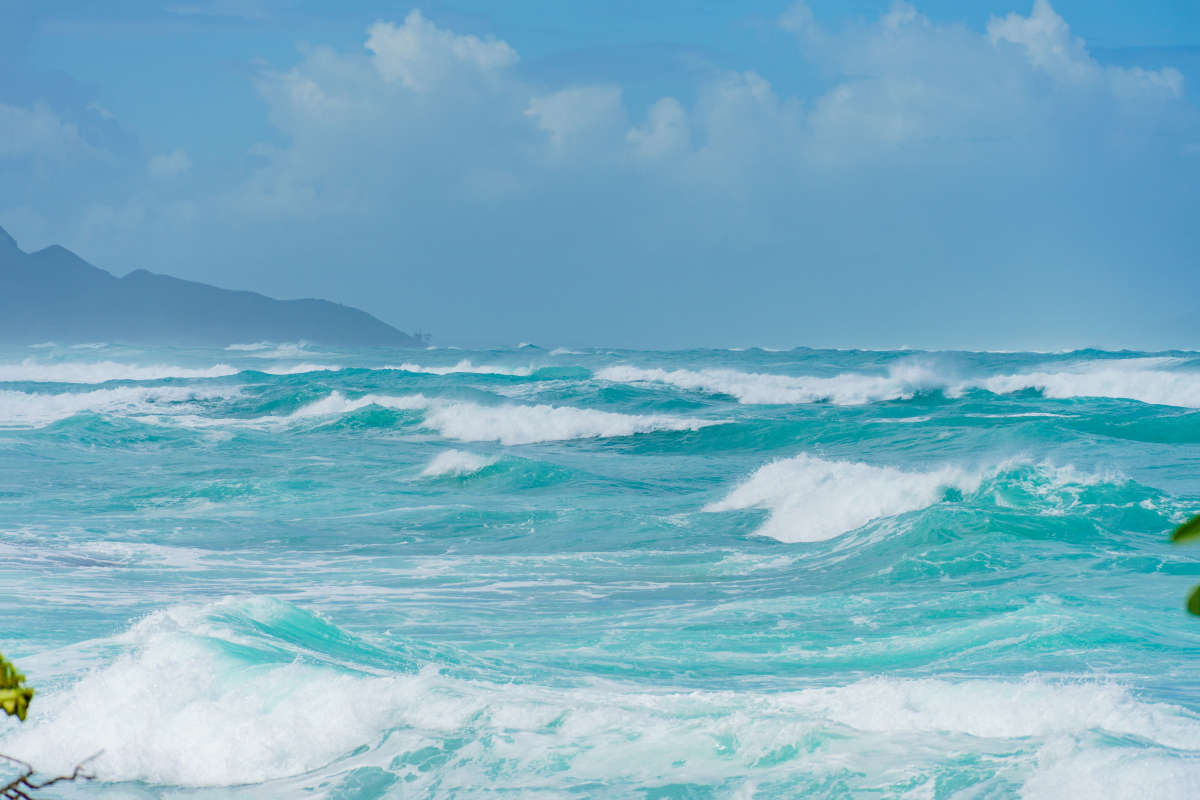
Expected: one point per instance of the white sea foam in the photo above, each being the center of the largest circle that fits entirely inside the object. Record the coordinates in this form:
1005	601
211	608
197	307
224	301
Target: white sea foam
337	403
758	388
165	714
251	347
513	424
1131	379
466	366
458	463
298	369
37	410
1066	770
811	499
1148	380
508	424
34	371
563	351
289	350
179	708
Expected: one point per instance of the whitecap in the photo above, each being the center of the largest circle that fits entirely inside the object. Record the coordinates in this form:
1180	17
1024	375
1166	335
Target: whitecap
1147	380
849	388
299	369
1139	379
34	371
37	410
811	499
178	706
465	366
508	424
288	350
337	403
517	424
458	463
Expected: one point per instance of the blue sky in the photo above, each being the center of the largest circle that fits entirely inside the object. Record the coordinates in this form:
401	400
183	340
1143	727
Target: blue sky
849	174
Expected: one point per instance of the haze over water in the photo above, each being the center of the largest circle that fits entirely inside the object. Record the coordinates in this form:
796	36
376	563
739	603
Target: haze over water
282	571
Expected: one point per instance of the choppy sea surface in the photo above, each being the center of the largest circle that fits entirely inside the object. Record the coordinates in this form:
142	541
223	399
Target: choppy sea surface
286	571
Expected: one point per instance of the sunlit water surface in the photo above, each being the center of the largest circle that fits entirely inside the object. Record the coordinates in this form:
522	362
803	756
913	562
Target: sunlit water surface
283	571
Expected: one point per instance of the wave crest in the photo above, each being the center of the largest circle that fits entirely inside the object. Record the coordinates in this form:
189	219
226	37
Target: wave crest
217	696
457	463
37	410
32	371
812	500
465	366
508	424
1146	380
766	389
1134	379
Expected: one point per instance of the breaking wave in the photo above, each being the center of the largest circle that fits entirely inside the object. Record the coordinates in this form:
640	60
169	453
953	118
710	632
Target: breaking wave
1132	379
1147	380
32	371
812	500
508	424
758	388
466	366
300	369
218	696
458	463
37	410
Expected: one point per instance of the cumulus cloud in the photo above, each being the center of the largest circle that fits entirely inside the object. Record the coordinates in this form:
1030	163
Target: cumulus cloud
1046	39
909	82
665	131
928	162
581	113
903	86
424	56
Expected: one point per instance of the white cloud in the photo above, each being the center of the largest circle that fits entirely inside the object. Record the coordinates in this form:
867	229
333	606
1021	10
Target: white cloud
422	55
167	166
1048	44
431	107
38	131
666	129
1047	41
941	90
579	115
931	145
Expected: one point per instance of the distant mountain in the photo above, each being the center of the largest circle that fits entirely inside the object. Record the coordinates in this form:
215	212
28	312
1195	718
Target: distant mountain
54	295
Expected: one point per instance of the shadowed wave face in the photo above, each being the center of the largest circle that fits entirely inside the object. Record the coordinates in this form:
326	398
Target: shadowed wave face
285	570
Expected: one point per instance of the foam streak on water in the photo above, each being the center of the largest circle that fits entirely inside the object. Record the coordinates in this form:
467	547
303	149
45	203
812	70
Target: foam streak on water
278	570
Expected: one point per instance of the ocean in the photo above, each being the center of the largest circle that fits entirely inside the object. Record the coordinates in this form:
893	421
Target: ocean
290	571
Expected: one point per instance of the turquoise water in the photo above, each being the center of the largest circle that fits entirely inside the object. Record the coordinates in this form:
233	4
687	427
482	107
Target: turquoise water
282	571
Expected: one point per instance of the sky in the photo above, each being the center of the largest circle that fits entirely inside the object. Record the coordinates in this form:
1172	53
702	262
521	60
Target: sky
979	174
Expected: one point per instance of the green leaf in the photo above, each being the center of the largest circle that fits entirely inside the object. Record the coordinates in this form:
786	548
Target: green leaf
14	695
1188	531
1193	603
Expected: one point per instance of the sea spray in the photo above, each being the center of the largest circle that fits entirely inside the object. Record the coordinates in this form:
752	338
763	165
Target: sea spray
606	574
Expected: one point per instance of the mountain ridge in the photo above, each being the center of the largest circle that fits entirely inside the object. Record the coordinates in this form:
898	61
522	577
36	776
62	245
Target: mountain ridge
54	295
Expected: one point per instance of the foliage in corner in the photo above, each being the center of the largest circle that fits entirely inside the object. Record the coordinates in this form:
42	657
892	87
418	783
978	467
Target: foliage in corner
1189	532
14	694
14	699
